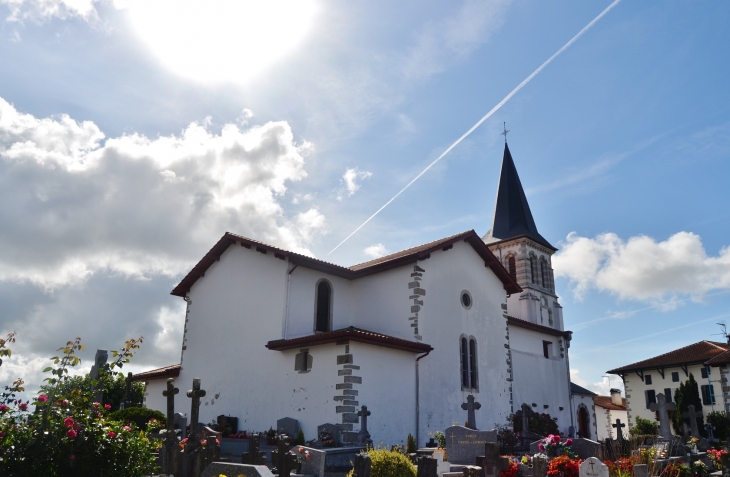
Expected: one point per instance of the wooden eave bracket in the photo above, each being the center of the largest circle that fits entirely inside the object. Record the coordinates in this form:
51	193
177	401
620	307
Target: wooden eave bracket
661	371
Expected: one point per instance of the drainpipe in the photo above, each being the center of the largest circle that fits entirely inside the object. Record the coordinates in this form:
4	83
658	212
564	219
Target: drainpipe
288	289
418	405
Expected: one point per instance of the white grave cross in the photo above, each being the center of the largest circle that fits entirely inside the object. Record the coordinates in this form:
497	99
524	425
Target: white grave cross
593	467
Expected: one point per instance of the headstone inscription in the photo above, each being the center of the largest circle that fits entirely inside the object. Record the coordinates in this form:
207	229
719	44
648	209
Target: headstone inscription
470	406
427	467
170	447
362	465
100	359
619	429
363	437
661	407
288	426
253	456
225	468
641	470
692	415
465	445
592	467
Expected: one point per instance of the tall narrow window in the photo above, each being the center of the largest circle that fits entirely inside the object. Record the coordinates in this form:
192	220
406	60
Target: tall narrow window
512	267
469	371
323	306
544	273
533	268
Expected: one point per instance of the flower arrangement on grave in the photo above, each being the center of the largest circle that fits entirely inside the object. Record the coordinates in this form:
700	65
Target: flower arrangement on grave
439	437
622	467
512	470
302	454
526	460
715	456
70	434
240	435
553	446
325	437
270	436
677	470
564	466
699	469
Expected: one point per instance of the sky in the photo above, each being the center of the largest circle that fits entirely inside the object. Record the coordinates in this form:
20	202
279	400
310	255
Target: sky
134	134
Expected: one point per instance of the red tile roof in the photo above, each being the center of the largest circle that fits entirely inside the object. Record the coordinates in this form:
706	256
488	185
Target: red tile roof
606	403
172	371
352	334
357	271
720	359
692	354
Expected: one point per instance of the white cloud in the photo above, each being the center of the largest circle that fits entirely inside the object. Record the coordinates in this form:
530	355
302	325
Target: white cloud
351	176
602	388
641	268
72	206
376	251
45	9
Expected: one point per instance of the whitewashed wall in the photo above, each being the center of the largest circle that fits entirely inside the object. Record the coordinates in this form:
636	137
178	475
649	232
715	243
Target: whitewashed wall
577	400
153	398
605	420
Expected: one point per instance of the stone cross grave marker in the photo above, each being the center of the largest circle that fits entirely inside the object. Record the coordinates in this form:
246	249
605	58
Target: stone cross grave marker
488	462
253	456
100	359
471	471
661	407
170	449
685	431
127	399
692	415
427	467
592	467
282	459
526	410
619	432
641	470
195	394
363	437
193	462
362	465
470	406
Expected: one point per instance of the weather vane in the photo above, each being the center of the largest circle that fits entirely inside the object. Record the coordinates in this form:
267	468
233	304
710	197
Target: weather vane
504	133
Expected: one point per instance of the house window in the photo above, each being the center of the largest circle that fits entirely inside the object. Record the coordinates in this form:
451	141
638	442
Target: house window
547	349
303	361
675	376
708	394
469	372
647	379
668	394
705	372
323	307
512	267
650	395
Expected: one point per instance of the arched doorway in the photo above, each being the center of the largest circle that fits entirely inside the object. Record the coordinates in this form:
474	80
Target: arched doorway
584	422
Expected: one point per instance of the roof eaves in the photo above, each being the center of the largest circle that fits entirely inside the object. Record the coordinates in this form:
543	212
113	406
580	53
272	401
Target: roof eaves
352	334
519	322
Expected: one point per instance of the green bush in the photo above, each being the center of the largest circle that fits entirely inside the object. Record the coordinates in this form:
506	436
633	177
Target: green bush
139	416
300	438
721	422
385	463
410	444
645	427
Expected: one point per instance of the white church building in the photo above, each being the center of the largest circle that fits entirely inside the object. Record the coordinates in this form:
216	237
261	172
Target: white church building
274	334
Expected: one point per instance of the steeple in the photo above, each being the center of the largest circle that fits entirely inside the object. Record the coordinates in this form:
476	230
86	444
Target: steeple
512	216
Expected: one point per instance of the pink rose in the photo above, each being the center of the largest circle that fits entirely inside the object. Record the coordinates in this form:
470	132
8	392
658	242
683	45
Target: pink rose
71	434
96	405
556	439
42	398
23	406
111	434
307	454
107	406
541	447
301	449
3	408
126	428
569	442
68	422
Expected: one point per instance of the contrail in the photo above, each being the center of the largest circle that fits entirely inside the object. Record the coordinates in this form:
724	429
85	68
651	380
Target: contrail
486	116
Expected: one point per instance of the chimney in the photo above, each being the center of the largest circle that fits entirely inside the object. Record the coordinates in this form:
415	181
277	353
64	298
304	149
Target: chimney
616	397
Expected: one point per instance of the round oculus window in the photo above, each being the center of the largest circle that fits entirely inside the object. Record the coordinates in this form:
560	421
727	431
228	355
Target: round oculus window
466	299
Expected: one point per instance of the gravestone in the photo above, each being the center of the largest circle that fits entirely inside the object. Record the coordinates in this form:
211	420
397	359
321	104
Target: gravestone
442	465
180	423
592	467
312	465
170	448
661	407
333	430
363	437
692	415
283	460
526	411
488	461
539	466
288	426
100	359
470	406
471	471
427	467
619	430
641	470
585	448
253	456
685	431
234	470
227	424
195	459
465	445
362	465
127	399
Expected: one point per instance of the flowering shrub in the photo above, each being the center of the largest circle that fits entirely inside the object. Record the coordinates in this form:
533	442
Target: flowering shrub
677	470
511	470
699	469
621	467
563	464
715	456
69	436
552	446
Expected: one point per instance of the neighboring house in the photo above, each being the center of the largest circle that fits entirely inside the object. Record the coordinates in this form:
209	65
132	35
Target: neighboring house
644	380
608	409
155	382
273	334
585	412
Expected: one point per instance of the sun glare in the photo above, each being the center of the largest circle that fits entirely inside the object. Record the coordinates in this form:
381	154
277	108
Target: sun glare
221	40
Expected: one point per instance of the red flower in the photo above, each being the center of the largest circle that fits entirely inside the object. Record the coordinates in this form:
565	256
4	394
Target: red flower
301	449
3	408
42	398
23	406
71	434
68	422
77	427
96	405
111	434
72	458
556	439
107	406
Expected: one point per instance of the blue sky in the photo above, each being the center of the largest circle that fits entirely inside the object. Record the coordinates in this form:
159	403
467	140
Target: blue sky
117	122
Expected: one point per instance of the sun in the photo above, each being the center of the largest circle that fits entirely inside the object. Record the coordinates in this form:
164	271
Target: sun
215	41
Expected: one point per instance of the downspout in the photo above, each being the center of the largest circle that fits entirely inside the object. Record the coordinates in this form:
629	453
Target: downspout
418	405
288	291
570	391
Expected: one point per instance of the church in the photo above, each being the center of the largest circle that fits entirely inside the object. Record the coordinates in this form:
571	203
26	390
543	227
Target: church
411	335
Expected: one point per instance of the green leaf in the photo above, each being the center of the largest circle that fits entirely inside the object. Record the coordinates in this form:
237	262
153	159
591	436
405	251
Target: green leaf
47	369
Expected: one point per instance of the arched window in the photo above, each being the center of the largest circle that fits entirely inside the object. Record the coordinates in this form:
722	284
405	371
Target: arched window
512	267
469	371
544	273
533	269
323	307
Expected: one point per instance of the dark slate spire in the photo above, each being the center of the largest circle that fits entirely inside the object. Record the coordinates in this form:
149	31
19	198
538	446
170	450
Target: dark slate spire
512	216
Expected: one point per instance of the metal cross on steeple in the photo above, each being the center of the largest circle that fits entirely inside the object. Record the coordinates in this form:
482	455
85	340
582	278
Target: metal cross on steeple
504	133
